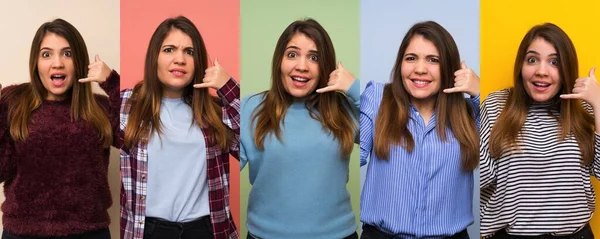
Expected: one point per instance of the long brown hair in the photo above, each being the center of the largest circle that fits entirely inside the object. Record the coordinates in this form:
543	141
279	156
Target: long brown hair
144	117
573	117
452	110
83	102
331	108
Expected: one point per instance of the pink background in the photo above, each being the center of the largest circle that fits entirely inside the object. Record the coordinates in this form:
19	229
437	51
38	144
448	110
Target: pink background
219	25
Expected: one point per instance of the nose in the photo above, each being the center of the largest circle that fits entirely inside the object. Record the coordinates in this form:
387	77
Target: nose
542	69
301	65
57	62
179	58
421	67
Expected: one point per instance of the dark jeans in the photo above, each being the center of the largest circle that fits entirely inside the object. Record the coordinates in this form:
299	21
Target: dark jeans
157	228
98	234
584	233
371	232
353	236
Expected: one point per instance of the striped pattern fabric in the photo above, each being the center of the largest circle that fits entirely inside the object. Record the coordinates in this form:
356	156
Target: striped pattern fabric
420	194
134	169
540	187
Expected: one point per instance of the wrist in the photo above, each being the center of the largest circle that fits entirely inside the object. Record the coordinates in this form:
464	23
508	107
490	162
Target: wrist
595	106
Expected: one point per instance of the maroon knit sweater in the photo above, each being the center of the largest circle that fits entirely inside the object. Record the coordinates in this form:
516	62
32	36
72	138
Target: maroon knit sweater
55	182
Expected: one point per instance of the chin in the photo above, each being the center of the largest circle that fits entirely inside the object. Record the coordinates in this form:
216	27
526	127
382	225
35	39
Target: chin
421	95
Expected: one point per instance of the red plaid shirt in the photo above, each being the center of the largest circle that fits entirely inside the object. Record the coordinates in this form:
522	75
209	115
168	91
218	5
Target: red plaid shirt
134	171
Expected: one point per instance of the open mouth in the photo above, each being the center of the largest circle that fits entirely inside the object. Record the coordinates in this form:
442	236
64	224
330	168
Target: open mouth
300	79
420	82
541	86
58	79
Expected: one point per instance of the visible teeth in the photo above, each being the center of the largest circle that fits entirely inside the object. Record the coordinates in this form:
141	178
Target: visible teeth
541	84
419	82
57	77
299	79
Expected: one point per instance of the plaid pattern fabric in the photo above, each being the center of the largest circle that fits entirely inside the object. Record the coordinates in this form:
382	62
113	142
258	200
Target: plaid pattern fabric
134	169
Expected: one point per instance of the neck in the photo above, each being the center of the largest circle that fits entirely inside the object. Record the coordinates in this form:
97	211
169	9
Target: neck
52	97
424	106
172	93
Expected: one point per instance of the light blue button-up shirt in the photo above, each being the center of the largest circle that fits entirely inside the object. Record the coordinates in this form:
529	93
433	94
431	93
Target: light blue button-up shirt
424	193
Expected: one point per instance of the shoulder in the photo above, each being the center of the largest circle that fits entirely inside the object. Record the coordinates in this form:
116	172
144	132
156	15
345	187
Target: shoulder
252	101
372	96
102	100
496	99
374	87
126	94
13	90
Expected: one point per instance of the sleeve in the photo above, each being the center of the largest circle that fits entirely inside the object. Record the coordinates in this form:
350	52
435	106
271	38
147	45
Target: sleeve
7	148
230	98
367	117
243	158
596	163
111	87
354	97
476	110
246	133
595	168
487	165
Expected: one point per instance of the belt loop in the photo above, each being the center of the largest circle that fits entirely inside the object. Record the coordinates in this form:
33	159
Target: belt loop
181	229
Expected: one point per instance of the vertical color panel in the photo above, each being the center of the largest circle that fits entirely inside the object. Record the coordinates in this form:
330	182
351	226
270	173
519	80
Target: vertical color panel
383	24
263	21
501	35
219	25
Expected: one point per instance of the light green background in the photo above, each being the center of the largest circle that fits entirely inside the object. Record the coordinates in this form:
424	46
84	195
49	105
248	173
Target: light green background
262	22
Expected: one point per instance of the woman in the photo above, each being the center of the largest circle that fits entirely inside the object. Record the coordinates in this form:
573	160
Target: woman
297	139
177	141
537	155
55	138
421	135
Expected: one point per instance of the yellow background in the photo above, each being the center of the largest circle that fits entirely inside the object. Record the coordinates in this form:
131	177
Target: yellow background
503	25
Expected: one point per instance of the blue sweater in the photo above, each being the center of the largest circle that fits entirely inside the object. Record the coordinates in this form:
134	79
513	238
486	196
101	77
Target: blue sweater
299	183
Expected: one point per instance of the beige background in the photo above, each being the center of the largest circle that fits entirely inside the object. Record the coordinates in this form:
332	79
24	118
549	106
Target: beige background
98	23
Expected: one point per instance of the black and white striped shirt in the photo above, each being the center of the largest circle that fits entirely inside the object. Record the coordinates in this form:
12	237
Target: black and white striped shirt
541	187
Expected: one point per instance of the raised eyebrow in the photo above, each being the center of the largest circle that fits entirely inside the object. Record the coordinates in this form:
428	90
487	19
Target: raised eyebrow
50	49
313	52
532	52
292	47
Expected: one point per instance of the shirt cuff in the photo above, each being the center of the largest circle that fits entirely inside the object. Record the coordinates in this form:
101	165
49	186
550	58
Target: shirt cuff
229	92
